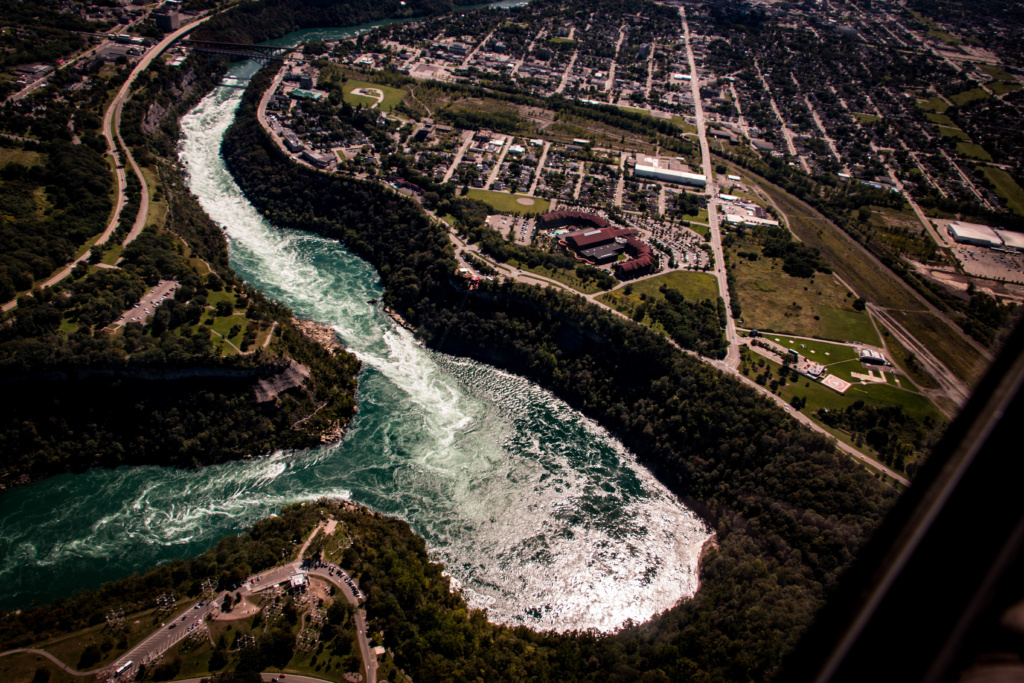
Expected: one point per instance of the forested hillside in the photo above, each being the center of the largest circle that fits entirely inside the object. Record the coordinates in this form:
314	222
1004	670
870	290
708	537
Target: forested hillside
170	390
789	511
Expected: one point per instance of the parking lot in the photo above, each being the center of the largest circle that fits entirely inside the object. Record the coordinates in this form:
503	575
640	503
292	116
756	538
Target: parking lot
144	310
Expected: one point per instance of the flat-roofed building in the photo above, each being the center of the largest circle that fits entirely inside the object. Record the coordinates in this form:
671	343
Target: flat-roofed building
1012	240
973	233
667	171
871	357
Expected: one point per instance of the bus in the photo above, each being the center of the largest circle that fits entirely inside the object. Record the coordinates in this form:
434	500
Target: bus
123	668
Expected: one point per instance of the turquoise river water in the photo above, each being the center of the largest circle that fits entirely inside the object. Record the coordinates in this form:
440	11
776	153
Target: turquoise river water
538	514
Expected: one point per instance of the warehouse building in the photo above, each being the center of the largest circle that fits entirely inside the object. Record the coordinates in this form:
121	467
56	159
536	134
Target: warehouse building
973	233
1014	241
664	170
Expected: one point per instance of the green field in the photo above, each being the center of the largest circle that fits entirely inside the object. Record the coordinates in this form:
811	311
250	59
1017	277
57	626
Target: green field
20	156
810	307
1006	187
996	72
962	98
1002	87
846	325
934	104
566	277
945	36
693	286
940	119
681	122
392	96
509	203
867	118
974	151
818	396
948	132
958	354
562	41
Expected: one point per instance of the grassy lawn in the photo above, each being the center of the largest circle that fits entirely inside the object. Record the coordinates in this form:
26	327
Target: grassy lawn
867	118
222	326
949	132
111	255
944	36
157	207
811	307
818	351
1006	187
846	325
972	150
392	96
934	104
20	156
566	277
22	669
693	286
940	119
996	72
700	229
508	203
1003	87
962	98
701	217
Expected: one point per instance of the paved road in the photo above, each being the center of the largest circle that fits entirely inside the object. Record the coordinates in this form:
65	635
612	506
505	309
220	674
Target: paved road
732	359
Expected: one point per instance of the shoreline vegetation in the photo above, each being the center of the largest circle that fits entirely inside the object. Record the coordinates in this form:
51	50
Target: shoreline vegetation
217	354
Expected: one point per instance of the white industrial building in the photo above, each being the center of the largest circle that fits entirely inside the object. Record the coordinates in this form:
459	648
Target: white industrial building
872	357
656	169
973	233
1012	240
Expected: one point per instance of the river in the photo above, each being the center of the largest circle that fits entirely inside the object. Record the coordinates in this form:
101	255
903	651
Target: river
539	515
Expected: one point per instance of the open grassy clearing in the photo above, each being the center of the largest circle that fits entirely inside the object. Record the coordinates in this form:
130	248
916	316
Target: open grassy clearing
818	396
972	150
995	71
933	104
1003	87
1006	187
682	123
940	119
818	351
22	669
810	307
392	96
566	277
876	283
867	118
509	203
693	286
948	132
157	200
945	36
19	156
972	95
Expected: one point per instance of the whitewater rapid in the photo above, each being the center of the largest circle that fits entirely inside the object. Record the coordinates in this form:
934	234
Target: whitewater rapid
539	515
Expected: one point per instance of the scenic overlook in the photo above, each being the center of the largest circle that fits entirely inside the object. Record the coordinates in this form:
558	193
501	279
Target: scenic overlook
417	341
